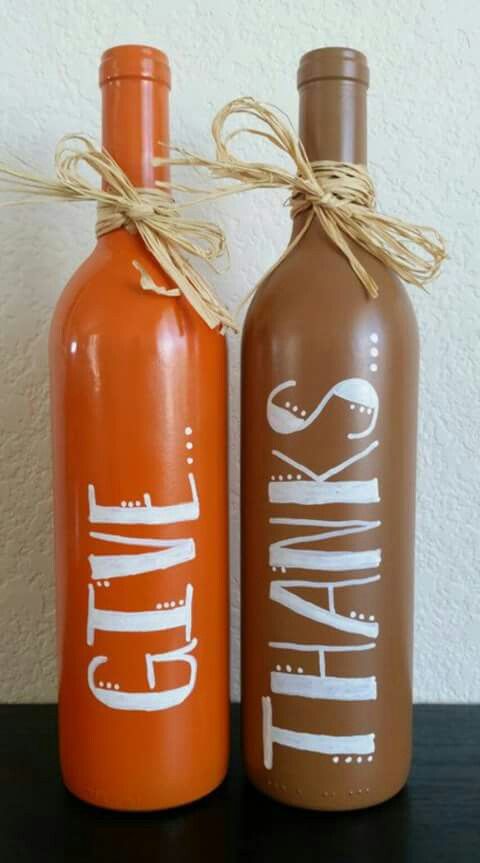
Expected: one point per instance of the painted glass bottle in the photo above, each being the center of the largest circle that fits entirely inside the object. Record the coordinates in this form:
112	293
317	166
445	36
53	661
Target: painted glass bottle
138	388
329	397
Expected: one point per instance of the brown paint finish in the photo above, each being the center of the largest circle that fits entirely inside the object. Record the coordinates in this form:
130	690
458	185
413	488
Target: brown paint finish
311	322
138	388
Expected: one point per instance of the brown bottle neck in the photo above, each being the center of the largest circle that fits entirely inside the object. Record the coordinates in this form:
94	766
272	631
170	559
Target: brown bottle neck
333	120
333	127
135	125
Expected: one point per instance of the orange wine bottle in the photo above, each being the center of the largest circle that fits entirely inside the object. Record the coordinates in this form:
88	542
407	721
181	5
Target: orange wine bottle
138	394
329	441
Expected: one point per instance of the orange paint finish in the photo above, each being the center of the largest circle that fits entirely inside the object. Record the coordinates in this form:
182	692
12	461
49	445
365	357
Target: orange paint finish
138	391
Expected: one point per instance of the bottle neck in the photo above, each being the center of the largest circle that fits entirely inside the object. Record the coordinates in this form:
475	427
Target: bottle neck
135	126
333	120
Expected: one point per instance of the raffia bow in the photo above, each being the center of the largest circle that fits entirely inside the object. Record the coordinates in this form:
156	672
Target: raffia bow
340	195
166	233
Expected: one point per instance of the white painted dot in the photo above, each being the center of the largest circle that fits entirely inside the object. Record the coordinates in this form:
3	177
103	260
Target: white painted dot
158	605
189	460
287	404
274	568
109	685
283	569
172	605
100	683
278	668
373	367
289	476
370	758
300	669
361	617
369	411
348	759
137	503
99	583
288	667
272	478
353	614
371	617
181	601
130	503
374	352
106	583
295	409
359	759
280	477
299	475
188	430
335	759
116	686
124	503
189	444
362	409
352	407
303	413
166	605
374	338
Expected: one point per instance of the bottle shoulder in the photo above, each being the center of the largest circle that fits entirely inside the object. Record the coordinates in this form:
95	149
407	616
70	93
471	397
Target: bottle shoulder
106	280
104	299
314	289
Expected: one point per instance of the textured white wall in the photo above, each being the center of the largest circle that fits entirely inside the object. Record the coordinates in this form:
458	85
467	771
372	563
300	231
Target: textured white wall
424	120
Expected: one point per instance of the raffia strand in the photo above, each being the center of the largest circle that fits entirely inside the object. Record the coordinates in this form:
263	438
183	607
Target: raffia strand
340	195
167	234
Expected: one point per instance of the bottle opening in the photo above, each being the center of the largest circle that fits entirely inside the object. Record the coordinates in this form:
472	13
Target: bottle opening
134	61
344	63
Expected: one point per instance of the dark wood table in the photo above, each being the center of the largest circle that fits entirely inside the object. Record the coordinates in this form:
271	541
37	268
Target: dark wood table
436	819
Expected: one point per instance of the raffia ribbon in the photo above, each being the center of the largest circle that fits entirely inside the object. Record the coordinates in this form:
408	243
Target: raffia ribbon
340	195
166	233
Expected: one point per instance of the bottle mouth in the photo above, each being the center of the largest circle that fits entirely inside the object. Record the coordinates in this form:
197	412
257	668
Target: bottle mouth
134	61
324	63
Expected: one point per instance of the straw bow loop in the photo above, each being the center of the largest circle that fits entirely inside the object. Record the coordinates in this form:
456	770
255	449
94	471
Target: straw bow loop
341	195
165	231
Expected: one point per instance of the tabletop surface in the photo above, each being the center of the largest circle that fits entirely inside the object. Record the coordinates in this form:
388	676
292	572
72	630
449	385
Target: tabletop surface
436	818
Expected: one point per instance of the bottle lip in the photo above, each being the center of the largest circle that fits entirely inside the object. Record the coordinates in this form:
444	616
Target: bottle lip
323	63
134	61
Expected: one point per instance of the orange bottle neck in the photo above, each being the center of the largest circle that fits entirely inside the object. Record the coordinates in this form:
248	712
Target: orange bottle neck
135	126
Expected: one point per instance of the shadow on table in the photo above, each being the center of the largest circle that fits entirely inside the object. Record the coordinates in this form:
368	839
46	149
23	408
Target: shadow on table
235	823
434	820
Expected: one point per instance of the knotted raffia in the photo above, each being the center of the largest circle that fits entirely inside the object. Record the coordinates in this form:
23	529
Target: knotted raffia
164	230
339	194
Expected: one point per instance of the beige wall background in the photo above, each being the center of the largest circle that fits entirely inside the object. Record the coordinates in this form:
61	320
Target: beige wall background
424	119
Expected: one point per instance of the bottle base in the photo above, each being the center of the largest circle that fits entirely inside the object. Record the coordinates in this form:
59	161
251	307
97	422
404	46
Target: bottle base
351	799
94	797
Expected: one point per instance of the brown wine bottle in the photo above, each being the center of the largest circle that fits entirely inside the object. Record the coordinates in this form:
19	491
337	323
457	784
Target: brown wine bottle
329	399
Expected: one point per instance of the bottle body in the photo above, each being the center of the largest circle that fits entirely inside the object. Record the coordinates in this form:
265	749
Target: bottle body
329	407
140	539
138	393
329	399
